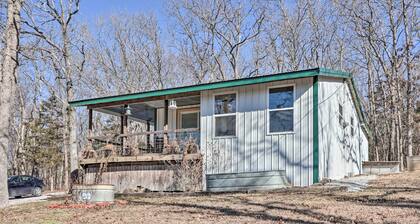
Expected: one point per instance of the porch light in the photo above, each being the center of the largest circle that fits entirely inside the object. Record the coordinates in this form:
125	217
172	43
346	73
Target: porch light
172	105
127	110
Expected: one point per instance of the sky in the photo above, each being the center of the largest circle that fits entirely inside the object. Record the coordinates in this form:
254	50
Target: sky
90	10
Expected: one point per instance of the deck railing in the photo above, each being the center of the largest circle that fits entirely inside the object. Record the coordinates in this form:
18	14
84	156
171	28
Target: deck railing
162	142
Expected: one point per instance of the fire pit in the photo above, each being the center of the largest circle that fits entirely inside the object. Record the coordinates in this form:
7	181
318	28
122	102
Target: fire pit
93	193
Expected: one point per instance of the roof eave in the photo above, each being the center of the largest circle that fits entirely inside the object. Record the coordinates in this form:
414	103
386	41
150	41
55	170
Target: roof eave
215	85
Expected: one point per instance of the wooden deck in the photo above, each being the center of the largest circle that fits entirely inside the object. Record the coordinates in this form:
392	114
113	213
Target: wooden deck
150	157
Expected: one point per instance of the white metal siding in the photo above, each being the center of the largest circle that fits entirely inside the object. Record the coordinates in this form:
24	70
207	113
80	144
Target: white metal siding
340	154
253	149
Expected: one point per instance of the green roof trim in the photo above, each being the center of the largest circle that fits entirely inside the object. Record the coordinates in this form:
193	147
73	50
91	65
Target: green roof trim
215	85
335	73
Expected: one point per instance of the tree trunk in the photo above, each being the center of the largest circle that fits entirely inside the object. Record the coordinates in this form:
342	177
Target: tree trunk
51	180
21	142
66	145
410	81
70	121
74	163
8	89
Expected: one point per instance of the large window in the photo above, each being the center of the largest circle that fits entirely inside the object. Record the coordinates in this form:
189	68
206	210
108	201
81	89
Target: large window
225	115
280	109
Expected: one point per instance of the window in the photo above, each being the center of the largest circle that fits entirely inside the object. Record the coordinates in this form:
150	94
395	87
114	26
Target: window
280	100
189	120
352	126
225	115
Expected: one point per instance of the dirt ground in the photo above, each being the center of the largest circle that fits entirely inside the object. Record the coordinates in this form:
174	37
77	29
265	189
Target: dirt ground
388	199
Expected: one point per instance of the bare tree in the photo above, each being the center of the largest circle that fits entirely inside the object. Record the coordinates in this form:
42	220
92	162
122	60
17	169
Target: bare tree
8	89
196	45
411	60
384	32
50	22
225	28
125	56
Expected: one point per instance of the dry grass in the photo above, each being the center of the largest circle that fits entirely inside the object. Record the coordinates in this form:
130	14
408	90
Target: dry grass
390	199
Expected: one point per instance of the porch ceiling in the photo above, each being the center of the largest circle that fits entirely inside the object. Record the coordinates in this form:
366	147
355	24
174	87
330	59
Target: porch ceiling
139	112
145	111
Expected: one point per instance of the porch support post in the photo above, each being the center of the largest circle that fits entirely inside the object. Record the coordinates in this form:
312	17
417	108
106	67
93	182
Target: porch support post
122	131
155	128
90	130
165	123
148	135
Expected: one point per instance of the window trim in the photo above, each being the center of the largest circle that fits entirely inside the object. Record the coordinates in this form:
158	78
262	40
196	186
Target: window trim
191	110
293	85
225	115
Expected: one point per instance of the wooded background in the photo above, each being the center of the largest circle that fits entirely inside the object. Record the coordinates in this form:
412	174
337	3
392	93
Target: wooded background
50	57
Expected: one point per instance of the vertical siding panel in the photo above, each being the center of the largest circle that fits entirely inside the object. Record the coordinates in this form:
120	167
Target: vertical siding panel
241	132
232	151
235	155
275	152
297	128
218	156
210	142
222	156
254	128
271	138
260	129
225	155
289	157
309	134
293	145
303	131
267	152
203	128
246	132
228	158
243	143
304	135
280	153
310	128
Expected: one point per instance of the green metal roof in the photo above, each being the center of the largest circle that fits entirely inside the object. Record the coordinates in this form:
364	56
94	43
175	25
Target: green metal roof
214	85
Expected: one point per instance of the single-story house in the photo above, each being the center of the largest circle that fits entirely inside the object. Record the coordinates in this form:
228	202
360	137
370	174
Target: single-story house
293	128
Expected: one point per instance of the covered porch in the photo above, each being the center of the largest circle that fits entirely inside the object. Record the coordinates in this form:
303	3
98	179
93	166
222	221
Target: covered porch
151	129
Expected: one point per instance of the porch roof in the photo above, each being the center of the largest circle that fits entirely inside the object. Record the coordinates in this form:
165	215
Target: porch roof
154	94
